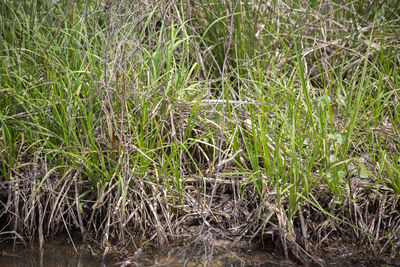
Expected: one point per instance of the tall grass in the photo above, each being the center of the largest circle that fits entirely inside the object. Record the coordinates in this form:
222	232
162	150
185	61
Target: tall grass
136	117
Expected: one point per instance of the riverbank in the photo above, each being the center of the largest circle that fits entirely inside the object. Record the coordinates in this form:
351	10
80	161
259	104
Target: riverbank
158	121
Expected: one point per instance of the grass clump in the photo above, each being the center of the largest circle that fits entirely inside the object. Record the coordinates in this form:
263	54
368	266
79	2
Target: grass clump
157	121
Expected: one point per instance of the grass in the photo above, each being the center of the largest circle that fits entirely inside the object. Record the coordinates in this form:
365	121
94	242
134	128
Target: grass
140	119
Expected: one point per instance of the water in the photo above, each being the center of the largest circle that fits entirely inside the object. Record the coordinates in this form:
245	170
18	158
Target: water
62	253
212	256
56	253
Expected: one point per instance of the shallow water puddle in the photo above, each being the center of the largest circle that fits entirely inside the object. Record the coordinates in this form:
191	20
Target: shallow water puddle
217	256
62	253
56	253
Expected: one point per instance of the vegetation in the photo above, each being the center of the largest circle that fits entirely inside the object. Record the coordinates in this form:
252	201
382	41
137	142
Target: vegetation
159	120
